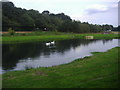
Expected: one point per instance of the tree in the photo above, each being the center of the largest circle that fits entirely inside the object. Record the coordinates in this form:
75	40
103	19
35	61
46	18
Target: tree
27	22
69	26
84	28
46	12
107	27
118	28
22	19
63	16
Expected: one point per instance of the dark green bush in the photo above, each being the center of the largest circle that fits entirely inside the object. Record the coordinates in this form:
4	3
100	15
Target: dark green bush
11	31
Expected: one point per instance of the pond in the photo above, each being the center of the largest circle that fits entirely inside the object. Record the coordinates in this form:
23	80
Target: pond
46	54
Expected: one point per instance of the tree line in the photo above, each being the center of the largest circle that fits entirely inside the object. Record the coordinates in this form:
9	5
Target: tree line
32	20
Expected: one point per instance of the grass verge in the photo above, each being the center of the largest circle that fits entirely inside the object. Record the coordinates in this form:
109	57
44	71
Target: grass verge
52	36
97	71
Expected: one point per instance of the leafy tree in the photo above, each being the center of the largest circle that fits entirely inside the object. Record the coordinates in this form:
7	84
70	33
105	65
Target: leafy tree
46	12
84	28
63	16
22	19
107	27
118	28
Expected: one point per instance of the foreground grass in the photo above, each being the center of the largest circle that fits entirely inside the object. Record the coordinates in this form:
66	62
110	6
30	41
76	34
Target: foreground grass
47	36
97	71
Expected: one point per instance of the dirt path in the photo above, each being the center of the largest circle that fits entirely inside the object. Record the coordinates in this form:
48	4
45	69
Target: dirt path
17	32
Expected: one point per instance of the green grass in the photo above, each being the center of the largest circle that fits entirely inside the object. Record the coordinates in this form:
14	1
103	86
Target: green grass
46	36
97	71
0	81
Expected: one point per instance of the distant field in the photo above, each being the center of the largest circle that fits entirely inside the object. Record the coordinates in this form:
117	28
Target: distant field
46	36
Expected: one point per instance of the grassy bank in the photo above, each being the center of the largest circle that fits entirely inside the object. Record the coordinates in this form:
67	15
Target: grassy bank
97	71
46	36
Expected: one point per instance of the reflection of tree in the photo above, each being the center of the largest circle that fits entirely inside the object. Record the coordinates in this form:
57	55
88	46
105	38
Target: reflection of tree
65	45
12	53
106	40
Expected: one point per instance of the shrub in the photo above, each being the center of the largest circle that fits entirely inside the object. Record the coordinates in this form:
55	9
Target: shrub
11	31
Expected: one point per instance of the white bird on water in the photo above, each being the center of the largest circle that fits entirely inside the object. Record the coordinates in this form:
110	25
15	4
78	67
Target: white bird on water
50	43
53	42
47	44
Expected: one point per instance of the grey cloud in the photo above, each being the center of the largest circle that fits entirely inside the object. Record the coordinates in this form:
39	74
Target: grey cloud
94	11
100	9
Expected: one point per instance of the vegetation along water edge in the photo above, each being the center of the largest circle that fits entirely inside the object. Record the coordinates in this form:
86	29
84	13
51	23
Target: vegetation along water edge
47	36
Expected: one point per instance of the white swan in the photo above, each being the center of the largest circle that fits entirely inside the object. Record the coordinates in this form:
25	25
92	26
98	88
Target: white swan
53	42
47	44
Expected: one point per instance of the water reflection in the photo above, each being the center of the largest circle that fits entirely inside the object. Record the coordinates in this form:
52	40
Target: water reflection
39	54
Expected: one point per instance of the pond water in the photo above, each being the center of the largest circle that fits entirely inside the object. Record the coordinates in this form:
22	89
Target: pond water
46	54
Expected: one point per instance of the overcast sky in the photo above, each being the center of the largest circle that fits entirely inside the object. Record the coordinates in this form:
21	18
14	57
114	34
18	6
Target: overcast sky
92	11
